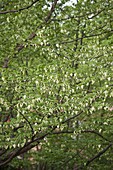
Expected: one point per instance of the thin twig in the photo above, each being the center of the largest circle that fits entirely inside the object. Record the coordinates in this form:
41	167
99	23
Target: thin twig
99	154
95	132
80	16
51	11
32	130
70	118
83	131
19	10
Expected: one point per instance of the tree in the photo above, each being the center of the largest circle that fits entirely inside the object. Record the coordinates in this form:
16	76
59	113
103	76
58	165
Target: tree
56	84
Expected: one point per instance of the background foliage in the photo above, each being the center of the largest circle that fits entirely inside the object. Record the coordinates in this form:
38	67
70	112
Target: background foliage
56	79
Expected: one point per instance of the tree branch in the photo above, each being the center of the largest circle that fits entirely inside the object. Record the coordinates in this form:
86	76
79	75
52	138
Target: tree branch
19	10
99	154
67	120
95	132
19	47
32	130
86	37
51	11
24	149
83	131
94	14
3	151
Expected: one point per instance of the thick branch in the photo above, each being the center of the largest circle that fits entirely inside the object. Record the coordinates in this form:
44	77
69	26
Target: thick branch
24	149
19	10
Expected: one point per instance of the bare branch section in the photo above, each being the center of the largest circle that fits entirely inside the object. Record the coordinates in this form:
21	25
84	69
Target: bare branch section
19	10
99	154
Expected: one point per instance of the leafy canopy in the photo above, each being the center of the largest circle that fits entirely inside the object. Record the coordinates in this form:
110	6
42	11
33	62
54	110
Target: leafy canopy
56	83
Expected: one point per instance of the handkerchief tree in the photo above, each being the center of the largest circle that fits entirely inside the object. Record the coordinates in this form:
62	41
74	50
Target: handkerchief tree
56	84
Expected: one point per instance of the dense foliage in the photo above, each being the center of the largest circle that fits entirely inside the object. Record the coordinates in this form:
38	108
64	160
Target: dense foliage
56	84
